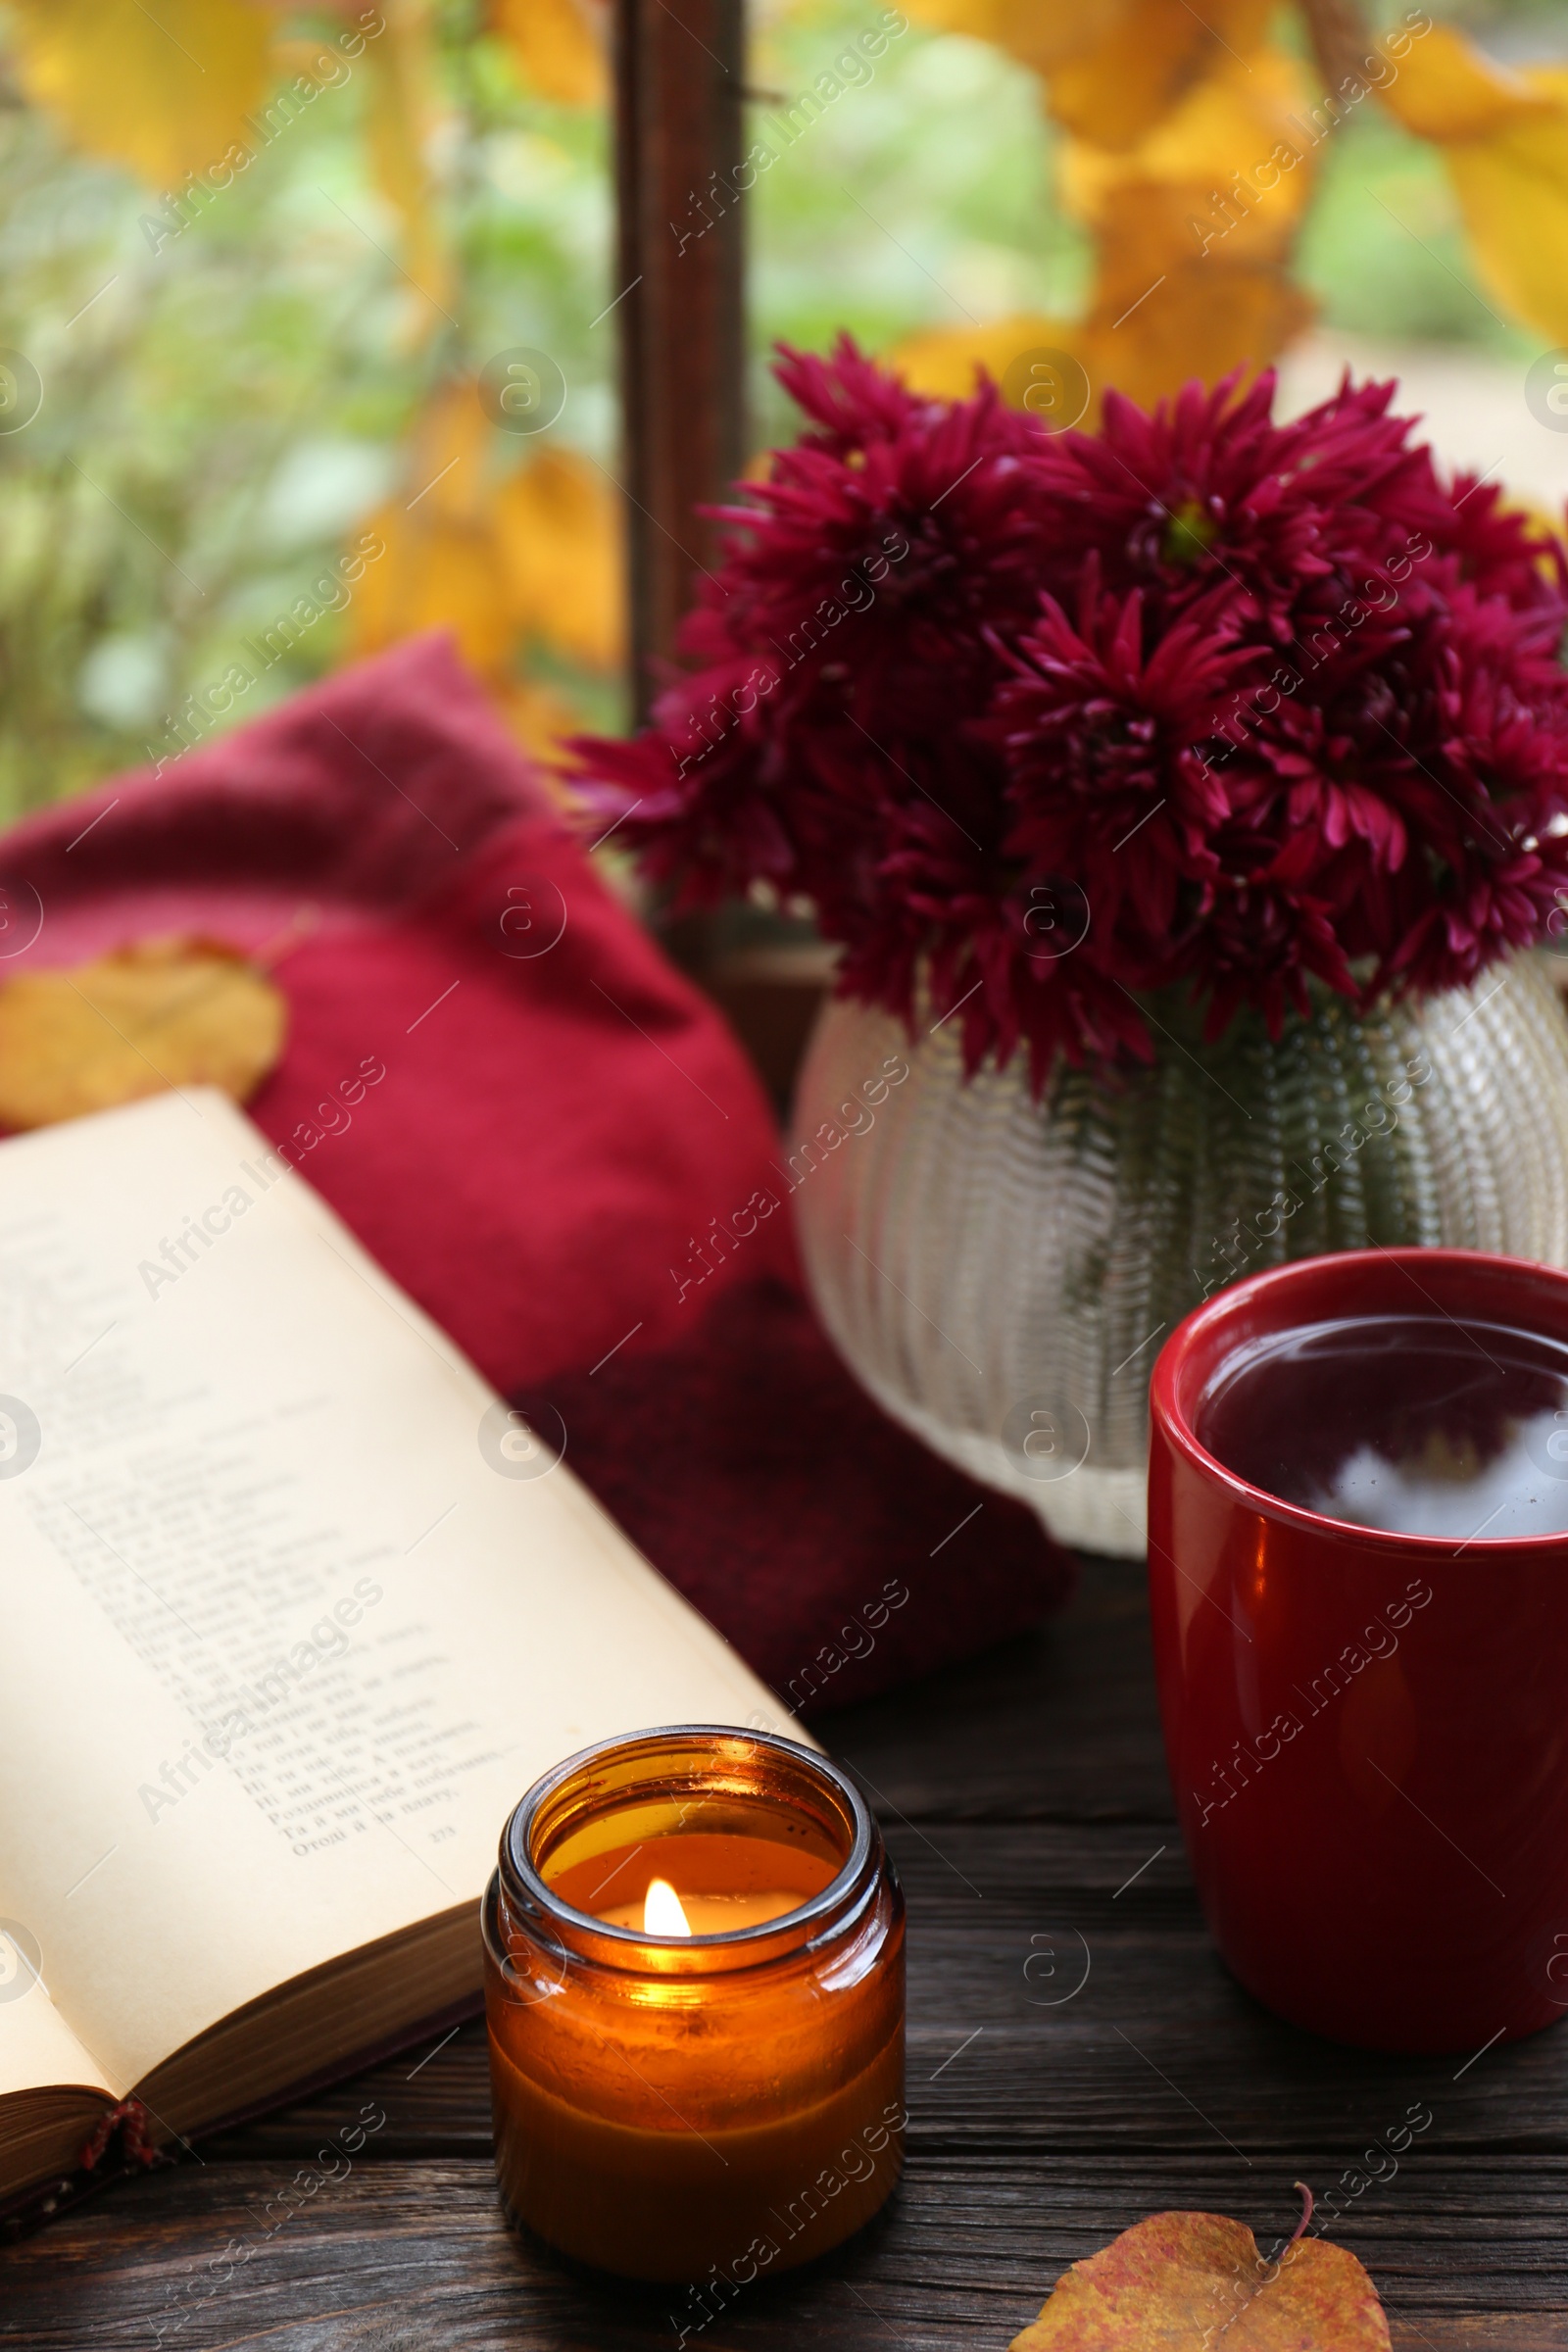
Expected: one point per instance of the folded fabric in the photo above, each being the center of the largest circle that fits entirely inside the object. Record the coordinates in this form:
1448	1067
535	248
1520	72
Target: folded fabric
563	1156
837	1554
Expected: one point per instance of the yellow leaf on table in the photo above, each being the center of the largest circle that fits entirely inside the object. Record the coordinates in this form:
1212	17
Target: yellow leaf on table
559	46
558	526
1191	2281
1146	63
165	89
160	1013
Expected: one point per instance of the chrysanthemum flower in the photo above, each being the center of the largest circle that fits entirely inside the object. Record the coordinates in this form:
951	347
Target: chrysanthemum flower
1260	705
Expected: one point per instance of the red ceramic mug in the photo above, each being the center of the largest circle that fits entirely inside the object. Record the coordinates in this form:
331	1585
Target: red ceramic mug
1367	1731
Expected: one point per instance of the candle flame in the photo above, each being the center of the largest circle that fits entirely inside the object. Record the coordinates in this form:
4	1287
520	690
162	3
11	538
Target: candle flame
661	1911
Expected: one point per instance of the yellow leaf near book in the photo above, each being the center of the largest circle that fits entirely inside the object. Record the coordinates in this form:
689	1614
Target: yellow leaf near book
559	46
160	1013
164	90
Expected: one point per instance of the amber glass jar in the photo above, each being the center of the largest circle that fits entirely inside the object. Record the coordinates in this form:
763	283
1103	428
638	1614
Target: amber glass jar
710	2105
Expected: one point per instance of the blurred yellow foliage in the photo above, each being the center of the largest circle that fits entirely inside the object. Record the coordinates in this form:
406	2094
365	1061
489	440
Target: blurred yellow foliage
1043	37
1444	89
558	525
533	558
943	360
397	123
1191	159
1202	160
1189	154
1153	59
1504	138
1190	162
559	46
1513	194
166	92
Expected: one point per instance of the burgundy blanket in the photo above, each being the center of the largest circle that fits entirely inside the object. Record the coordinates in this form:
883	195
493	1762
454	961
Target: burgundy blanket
566	1160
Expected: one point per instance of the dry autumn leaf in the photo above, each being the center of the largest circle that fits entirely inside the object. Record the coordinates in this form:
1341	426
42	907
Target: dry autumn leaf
166	92
159	1013
1188	2281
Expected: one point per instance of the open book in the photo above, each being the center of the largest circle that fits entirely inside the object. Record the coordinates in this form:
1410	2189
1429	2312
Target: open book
293	1612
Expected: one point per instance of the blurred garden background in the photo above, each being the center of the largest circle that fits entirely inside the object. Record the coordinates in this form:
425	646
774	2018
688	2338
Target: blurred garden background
255	263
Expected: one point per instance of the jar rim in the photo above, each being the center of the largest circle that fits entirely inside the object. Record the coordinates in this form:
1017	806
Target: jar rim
731	1747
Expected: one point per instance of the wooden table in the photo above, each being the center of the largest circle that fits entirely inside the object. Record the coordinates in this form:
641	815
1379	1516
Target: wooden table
1078	2058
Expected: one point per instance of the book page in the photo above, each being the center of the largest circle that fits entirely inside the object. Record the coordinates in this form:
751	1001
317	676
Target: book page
37	2048
296	1611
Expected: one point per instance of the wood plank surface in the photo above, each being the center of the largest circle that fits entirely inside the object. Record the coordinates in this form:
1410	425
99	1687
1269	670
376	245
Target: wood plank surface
1078	2058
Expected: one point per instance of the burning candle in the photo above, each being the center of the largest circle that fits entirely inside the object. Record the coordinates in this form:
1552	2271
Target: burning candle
694	1984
